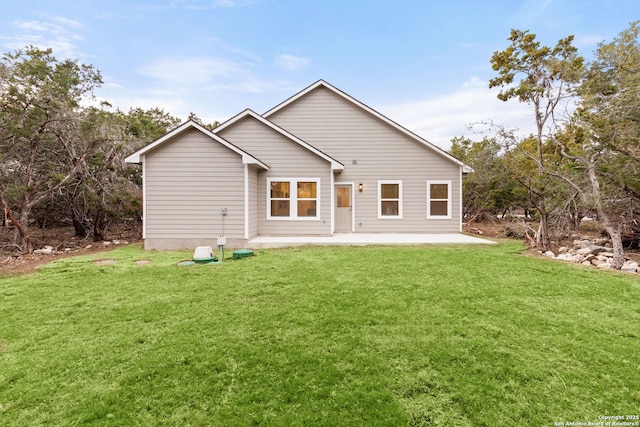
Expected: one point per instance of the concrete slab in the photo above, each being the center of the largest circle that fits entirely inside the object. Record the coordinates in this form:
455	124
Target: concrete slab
363	239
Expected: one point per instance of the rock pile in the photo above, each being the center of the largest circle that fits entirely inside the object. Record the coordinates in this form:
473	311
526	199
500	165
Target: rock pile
592	253
50	250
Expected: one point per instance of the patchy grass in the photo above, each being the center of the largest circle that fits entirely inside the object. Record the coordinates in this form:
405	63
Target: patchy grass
422	336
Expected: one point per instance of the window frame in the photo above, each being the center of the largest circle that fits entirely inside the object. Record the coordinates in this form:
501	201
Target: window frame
448	199
380	199
293	199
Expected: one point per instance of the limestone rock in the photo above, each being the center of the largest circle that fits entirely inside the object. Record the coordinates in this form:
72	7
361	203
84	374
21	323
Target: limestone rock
47	250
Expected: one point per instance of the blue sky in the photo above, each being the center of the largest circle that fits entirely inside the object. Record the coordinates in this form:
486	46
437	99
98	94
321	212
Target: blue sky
424	64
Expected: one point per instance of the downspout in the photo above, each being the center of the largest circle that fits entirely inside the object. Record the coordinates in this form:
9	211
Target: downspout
246	201
331	202
460	207
144	198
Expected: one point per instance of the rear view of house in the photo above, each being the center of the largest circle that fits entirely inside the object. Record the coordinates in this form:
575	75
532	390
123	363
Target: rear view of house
317	164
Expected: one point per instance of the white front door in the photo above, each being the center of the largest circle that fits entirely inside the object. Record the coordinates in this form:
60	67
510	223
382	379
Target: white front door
344	208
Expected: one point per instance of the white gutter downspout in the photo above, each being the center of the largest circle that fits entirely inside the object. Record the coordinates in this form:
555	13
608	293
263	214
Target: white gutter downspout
246	201
144	198
461	205
331	202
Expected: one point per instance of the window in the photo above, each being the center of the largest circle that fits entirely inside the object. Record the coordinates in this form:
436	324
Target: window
389	199
307	198
280	198
439	199
301	203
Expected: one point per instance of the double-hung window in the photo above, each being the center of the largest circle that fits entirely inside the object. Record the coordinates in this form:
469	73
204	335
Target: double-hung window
439	199
389	199
293	198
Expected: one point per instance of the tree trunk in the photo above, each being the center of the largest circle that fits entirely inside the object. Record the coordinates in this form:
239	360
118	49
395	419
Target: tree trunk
542	238
99	225
614	232
618	248
78	226
25	240
21	227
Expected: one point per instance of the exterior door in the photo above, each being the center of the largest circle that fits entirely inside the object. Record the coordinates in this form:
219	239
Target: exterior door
344	209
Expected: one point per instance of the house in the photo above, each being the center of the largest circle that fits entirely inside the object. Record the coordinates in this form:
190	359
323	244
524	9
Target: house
319	163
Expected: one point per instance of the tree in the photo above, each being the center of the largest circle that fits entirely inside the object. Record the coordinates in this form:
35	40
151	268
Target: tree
489	190
607	139
198	120
39	154
104	189
148	125
547	77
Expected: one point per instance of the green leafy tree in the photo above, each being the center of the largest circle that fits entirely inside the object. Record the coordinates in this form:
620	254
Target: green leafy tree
489	191
606	139
39	119
546	76
198	120
105	189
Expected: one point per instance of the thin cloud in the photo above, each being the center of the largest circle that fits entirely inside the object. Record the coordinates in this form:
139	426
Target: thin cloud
442	118
66	22
584	41
291	62
209	4
58	33
530	11
192	71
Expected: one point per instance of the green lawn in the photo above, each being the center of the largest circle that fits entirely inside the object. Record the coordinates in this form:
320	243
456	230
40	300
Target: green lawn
333	336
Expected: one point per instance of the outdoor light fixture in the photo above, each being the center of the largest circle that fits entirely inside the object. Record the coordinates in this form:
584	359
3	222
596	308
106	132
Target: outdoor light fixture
360	187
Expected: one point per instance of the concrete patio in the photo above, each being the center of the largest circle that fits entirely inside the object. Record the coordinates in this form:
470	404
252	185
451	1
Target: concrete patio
363	239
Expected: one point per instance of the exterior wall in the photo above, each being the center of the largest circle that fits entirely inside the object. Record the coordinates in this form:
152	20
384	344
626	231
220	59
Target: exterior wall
188	182
371	150
192	243
286	159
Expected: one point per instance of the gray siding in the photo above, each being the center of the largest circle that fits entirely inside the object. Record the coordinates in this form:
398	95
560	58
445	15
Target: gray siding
286	159
188	182
371	150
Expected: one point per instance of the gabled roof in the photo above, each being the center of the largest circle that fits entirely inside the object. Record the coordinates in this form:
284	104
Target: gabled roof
324	84
188	125
335	165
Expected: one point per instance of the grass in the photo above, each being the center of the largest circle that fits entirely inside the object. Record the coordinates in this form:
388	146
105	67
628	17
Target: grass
340	336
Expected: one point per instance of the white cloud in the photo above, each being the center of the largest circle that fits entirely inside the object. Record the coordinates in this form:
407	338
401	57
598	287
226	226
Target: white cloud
209	4
193	71
442	118
209	74
58	34
584	41
530	11
291	62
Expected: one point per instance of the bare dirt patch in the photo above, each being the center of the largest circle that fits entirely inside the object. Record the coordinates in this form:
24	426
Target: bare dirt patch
105	262
63	242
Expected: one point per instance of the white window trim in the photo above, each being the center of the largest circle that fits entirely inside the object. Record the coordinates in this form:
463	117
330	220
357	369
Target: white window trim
293	199
383	181
448	200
